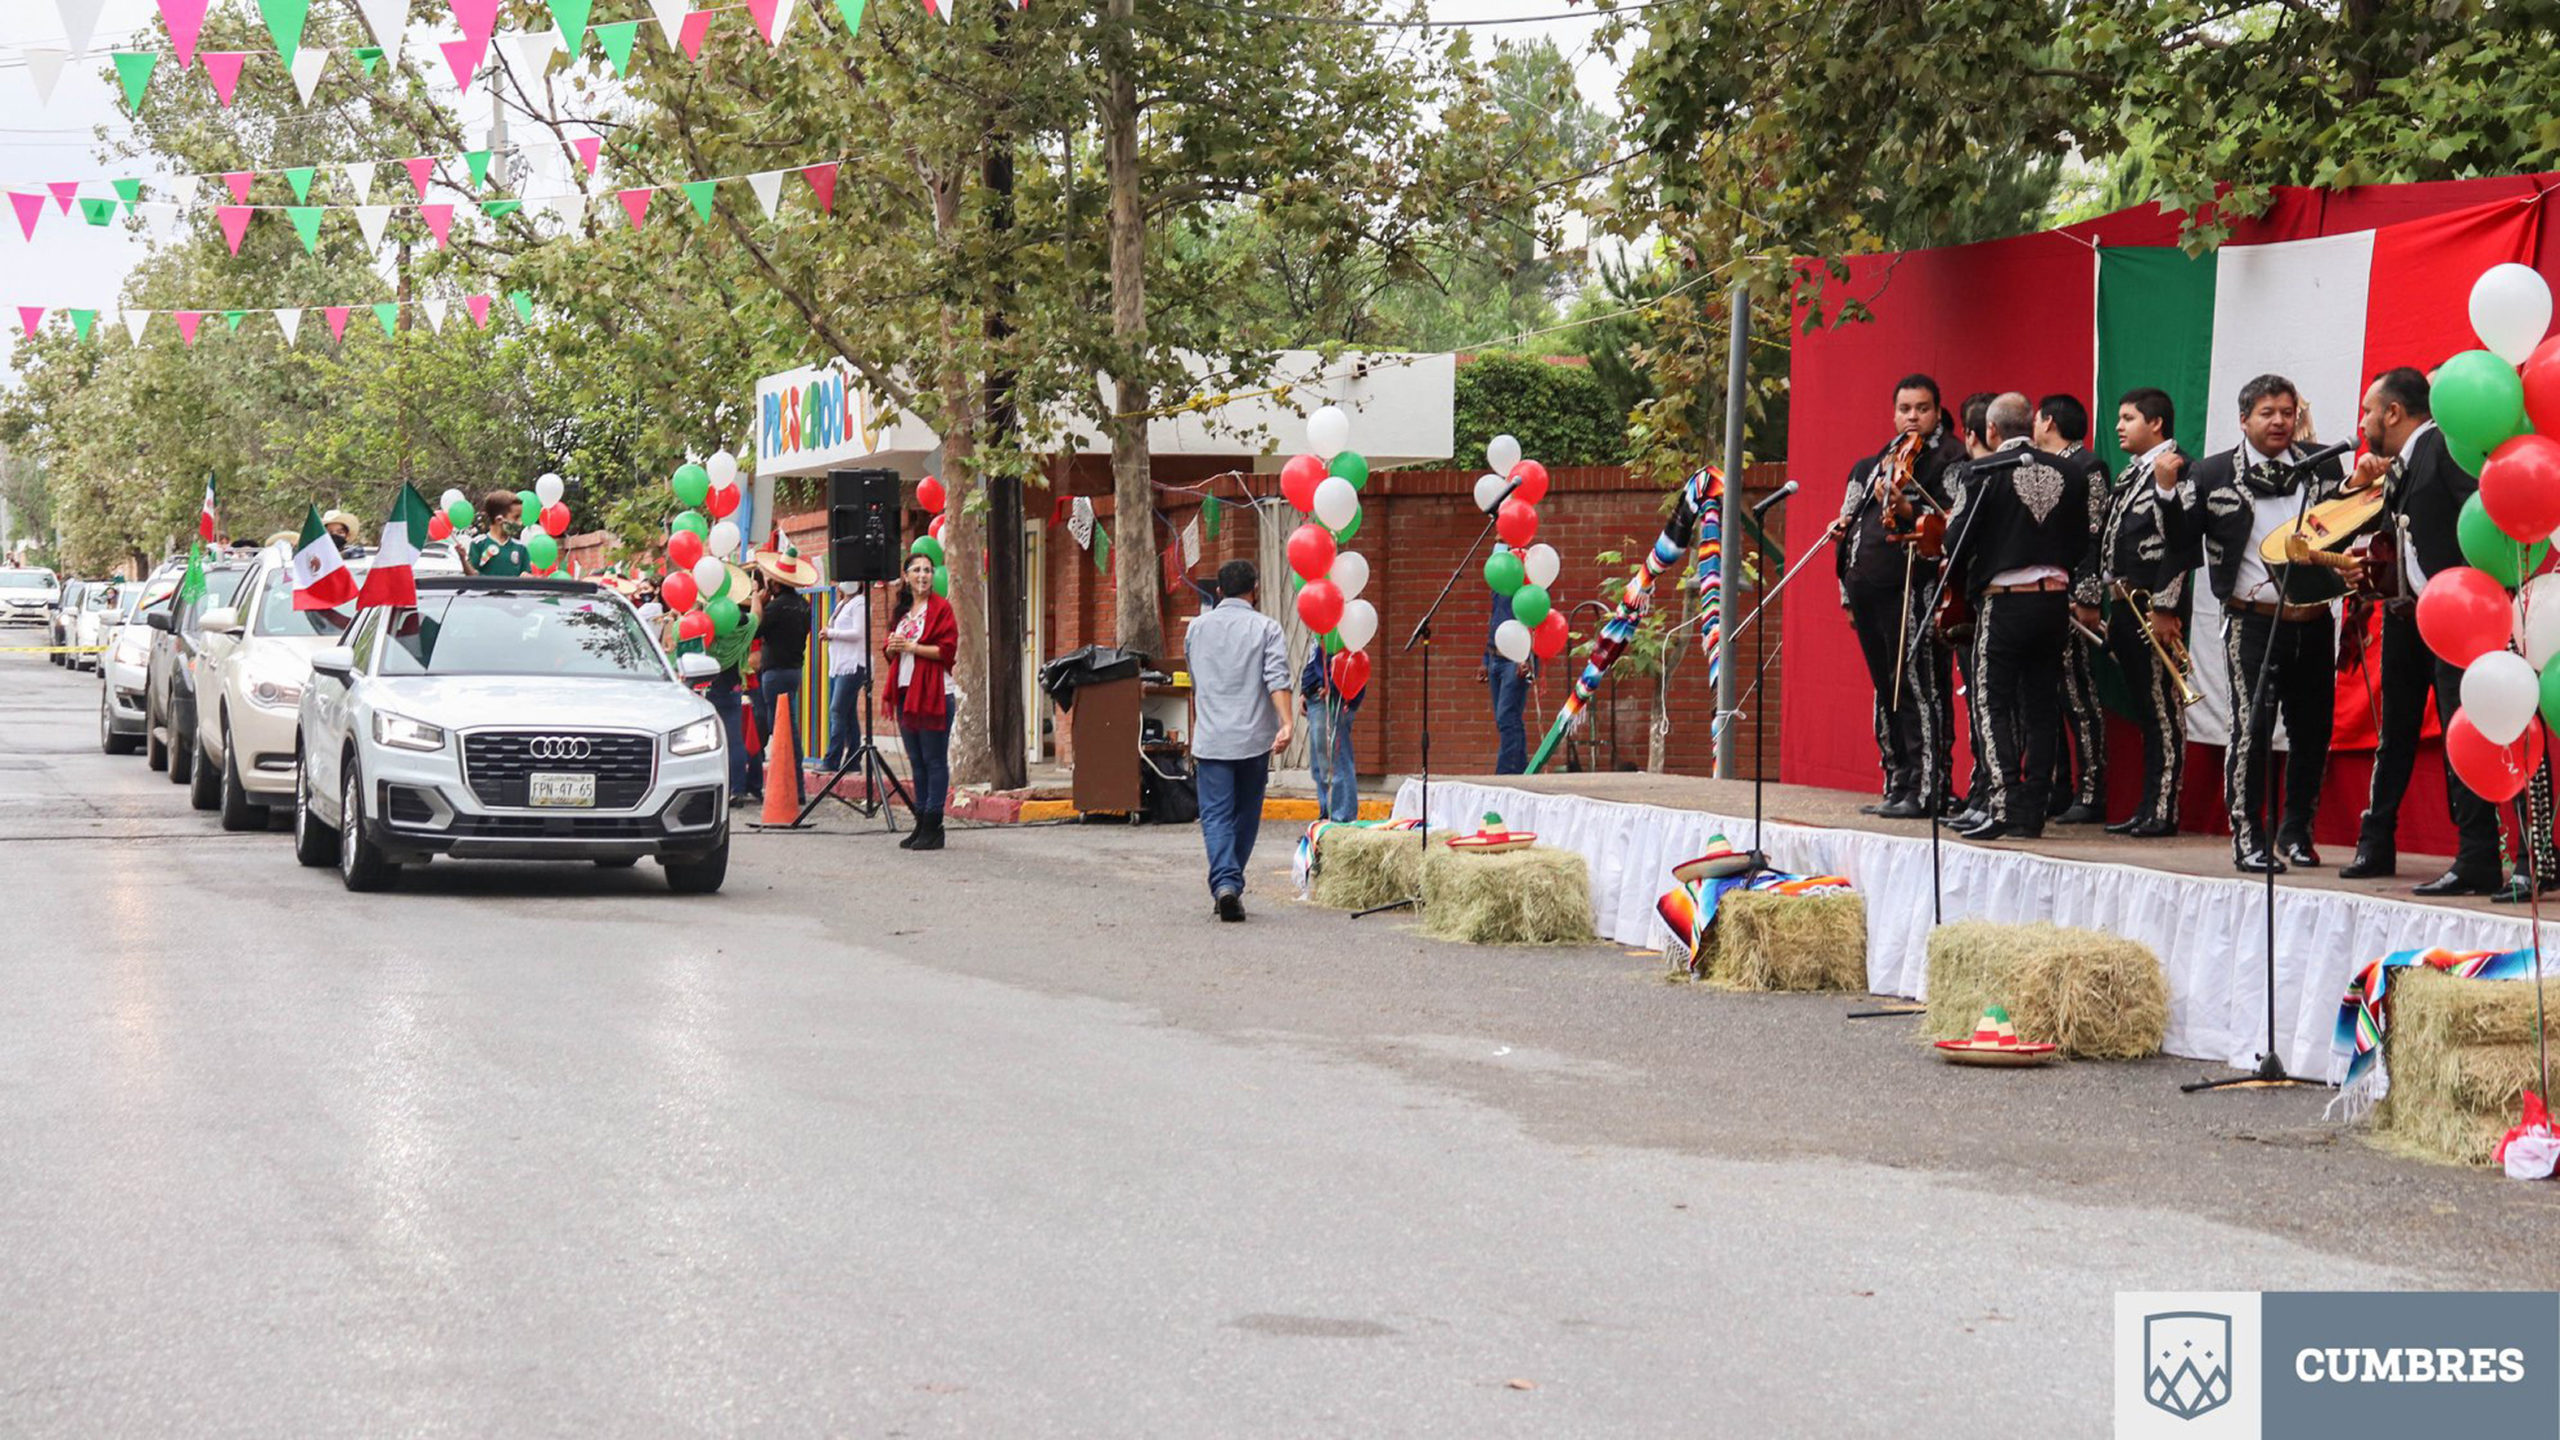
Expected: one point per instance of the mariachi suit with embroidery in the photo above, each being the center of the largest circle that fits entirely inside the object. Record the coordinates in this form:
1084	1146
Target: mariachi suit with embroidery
2080	769
2022	511
2134	549
1887	597
2297	657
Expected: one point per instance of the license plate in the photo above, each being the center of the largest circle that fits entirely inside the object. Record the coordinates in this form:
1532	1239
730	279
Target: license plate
571	790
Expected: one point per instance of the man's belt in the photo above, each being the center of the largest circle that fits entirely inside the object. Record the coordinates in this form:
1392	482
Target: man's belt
2032	587
2276	611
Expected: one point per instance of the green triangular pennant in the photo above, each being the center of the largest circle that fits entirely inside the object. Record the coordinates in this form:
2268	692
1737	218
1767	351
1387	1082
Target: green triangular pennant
134	68
299	177
699	192
233	318
306	223
851	10
571	15
616	40
369	56
1209	515
97	212
81	321
130	192
387	314
284	24
1101	549
523	301
477	162
501	209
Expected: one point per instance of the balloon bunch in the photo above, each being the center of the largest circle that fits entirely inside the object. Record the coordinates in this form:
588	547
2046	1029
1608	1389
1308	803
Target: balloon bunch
697	588
1526	572
931	495
546	520
2489	414
1326	484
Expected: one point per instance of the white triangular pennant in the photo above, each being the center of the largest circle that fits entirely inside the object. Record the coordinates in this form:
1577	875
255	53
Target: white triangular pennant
80	21
768	187
782	18
373	220
386	19
182	190
44	66
290	322
360	180
436	309
571	208
134	320
944	8
160	218
307	65
528	52
670	15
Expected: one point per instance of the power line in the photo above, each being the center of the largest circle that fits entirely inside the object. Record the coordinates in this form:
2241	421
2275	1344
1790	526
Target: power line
1356	23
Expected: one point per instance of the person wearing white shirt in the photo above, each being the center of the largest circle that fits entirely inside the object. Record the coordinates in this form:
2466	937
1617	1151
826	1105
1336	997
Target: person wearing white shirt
848	636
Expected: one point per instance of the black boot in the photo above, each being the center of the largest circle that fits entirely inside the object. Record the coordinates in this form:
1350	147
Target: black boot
929	831
915	837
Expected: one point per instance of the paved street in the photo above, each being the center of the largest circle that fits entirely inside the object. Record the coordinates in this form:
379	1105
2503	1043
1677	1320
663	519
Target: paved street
1014	1140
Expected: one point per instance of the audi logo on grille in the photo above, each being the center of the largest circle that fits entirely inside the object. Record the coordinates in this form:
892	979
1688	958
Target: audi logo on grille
559	747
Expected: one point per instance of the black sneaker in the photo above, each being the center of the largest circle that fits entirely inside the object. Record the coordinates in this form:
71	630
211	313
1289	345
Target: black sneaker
1230	906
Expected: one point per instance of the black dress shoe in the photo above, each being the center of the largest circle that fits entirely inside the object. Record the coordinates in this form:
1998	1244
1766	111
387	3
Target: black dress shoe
1964	820
2456	882
1901	810
2127	825
1881	806
2258	862
2080	815
1985	828
2519	891
2370	865
2299	852
2154	830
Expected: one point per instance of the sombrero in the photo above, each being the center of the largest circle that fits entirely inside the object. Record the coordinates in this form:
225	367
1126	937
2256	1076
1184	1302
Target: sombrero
1718	861
788	566
1493	838
1995	1042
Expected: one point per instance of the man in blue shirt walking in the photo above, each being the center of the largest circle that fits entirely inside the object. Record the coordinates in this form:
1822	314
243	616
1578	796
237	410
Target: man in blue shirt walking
1239	664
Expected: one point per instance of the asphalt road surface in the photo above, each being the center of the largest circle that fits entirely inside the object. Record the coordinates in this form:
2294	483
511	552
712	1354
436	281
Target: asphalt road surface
1015	1140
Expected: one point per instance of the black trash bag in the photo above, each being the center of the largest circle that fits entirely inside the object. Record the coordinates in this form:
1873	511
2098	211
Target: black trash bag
1092	665
1169	793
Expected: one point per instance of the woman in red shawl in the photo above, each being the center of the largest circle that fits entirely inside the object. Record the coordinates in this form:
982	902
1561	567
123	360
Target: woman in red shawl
923	635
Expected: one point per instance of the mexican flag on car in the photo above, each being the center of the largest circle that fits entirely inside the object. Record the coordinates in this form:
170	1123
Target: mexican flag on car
393	580
320	579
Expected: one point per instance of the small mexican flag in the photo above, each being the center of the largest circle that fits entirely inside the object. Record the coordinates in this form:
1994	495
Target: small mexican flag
393	580
204	512
320	578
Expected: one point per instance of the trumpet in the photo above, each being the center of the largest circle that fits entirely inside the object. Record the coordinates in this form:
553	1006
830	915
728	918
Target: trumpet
2173	653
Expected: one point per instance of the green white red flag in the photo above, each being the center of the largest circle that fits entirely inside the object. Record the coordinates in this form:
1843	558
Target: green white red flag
204	512
321	580
393	580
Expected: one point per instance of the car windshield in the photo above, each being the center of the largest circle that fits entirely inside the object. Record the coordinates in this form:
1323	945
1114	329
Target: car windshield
219	583
138	596
276	615
521	633
26	579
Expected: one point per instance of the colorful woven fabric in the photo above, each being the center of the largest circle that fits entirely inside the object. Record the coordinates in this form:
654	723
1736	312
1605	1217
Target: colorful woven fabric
2363	1018
1689	911
1696	520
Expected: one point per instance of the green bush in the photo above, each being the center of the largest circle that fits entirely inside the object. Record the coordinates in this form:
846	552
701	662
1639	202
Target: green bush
1560	413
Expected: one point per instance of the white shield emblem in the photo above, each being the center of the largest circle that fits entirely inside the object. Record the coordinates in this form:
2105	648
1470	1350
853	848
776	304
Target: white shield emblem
2186	1361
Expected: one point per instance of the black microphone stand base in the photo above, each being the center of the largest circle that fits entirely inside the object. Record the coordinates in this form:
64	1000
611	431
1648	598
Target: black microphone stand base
2269	1074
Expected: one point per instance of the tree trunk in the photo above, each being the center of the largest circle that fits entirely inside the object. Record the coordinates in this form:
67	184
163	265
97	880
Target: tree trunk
1007	757
1138	608
964	528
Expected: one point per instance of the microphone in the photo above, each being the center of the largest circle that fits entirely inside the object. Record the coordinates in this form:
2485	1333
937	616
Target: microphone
2321	456
1496	507
1761	506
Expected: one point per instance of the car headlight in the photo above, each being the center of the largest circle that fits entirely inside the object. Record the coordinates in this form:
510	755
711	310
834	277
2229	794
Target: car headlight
405	733
694	739
278	695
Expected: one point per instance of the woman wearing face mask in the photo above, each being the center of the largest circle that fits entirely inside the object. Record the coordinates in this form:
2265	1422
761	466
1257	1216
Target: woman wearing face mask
923	635
848	635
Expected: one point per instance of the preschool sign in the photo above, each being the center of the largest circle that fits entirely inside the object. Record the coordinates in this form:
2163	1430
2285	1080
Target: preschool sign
817	416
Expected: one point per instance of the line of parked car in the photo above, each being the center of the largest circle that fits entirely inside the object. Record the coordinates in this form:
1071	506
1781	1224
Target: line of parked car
526	719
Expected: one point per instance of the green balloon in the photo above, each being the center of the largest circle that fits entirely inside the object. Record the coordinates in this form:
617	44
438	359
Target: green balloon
1353	466
532	507
541	549
692	485
1333	642
723	613
1504	572
1347	531
459	514
719	591
2487	548
1530	604
2551	695
942	581
2463	455
2478	400
927	545
692	520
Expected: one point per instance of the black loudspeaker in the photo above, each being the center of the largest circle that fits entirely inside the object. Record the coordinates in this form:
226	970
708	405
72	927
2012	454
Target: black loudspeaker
862	525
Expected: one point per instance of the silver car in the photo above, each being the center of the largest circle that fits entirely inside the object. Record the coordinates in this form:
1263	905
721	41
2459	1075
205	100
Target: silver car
28	595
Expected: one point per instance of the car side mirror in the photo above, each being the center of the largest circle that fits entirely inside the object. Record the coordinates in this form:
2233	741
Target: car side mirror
337	662
222	620
157	620
697	666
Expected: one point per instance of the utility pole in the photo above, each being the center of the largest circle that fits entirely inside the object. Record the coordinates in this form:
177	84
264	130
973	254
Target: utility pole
1737	365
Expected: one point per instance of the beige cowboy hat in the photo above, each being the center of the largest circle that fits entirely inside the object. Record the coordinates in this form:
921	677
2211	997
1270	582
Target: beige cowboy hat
788	566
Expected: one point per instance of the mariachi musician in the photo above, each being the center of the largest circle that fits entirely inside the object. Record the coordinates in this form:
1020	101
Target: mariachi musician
1893	513
2140	603
2278	636
1973	418
2079	795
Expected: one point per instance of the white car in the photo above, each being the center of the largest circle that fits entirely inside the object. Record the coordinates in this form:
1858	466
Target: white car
89	627
27	595
509	719
256	661
124	665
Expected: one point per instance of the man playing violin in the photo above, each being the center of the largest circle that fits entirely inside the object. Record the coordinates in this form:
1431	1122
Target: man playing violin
2138	566
1893	511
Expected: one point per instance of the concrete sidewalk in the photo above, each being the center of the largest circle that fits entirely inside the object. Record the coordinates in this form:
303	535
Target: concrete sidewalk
1050	795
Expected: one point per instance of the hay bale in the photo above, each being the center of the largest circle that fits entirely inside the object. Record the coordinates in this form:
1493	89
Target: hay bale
1537	896
2460	1054
1359	866
2095	995
1778	942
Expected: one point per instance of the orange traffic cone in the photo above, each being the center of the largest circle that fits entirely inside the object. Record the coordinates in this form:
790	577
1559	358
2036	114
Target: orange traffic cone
781	771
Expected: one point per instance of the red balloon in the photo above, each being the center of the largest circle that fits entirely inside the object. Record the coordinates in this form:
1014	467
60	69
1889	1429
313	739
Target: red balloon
1531	477
935	529
2542	387
721	501
929	494
2463	615
696	625
555	520
1320	605
677	591
1311	551
1517	524
1299	479
683	548
1351	673
1549	637
438	527
2520	487
2494	772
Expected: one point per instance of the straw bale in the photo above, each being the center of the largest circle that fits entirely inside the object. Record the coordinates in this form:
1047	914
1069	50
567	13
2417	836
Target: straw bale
1763	941
1358	866
2460	1055
2095	995
1537	896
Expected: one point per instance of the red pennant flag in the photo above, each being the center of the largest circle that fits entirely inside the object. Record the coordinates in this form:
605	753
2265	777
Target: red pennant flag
338	320
635	203
589	146
30	318
224	68
239	180
762	12
30	209
697	28
235	223
478	305
822	183
421	169
439	220
187	322
186	21
64	193
463	58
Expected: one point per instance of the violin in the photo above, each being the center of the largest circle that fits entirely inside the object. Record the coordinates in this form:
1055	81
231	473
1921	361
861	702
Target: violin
1909	517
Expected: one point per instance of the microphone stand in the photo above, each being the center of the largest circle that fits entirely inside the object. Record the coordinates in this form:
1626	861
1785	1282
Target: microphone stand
1763	655
1910	645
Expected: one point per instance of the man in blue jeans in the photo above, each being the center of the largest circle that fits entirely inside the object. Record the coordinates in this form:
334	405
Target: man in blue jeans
1239	664
1508	684
1329	714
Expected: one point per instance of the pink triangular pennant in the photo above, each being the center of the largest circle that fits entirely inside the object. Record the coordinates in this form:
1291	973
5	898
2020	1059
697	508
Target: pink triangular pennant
64	193
439	220
337	320
822	183
421	168
588	147
635	203
187	322
223	68
478	305
762	12
476	17
463	58
697	28
30	318
30	209
239	181
186	21
235	223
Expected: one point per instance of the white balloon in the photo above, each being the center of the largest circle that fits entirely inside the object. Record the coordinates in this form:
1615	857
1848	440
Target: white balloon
709	575
548	489
452	498
1489	491
2499	693
2510	308
724	539
1512	639
1336	502
722	468
1542	563
1329	432
1501	453
1359	625
2538	620
1350	574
